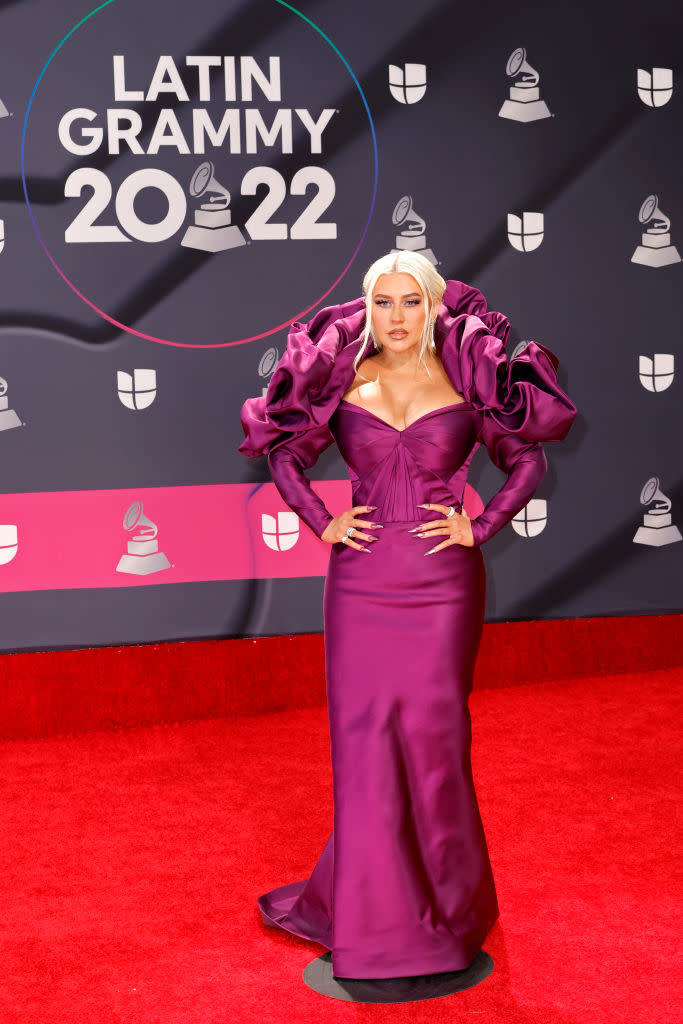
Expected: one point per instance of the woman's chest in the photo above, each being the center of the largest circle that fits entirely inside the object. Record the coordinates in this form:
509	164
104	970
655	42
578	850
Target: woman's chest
438	441
398	399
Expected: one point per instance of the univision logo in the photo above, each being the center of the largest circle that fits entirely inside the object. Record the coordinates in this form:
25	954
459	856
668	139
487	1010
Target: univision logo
656	87
656	374
408	84
531	520
137	390
281	533
9	543
525	233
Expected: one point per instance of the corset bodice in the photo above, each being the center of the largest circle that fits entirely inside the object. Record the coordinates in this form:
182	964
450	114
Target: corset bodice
399	469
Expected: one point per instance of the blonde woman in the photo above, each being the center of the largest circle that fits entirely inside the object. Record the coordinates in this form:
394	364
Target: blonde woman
407	380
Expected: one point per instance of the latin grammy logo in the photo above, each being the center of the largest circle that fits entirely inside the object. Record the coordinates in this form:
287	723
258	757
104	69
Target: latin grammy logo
143	556
525	233
656	374
282	533
531	520
655	89
8	417
408	84
655	249
4	112
266	366
657	529
9	543
412	238
524	103
137	390
213	230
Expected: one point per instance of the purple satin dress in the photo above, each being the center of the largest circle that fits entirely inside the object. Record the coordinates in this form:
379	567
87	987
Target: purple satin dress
403	885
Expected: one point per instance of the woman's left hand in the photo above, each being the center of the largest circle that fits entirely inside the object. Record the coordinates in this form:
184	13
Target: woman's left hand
457	529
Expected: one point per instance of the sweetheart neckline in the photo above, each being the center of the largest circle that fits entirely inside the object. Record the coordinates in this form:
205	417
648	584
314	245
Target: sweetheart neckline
442	408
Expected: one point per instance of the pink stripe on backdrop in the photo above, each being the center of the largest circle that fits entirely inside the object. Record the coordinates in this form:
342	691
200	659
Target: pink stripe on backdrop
74	539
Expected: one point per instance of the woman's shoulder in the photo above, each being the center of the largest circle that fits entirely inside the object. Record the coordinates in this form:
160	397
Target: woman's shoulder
366	372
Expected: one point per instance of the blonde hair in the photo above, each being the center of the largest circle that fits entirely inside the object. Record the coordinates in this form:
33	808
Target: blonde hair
431	283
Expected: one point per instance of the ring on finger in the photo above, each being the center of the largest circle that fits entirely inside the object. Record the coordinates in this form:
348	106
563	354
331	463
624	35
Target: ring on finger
451	511
351	530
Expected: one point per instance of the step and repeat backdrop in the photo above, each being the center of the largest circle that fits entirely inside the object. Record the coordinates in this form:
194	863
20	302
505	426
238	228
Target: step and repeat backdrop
179	182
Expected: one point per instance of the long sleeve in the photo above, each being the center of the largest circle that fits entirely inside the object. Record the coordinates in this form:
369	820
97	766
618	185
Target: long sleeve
287	464
524	462
289	423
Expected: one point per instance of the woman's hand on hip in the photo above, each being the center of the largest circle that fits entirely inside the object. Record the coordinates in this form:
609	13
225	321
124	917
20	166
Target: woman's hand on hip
335	531
457	529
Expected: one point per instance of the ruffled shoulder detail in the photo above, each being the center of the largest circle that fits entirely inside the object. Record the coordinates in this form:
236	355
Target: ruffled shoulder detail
305	387
522	394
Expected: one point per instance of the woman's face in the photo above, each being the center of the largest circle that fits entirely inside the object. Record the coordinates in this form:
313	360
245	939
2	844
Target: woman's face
398	312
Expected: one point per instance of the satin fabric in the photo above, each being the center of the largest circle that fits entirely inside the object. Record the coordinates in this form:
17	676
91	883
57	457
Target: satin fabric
520	401
403	885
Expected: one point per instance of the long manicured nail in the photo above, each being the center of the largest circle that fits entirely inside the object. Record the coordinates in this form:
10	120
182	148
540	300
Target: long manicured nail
414	528
371	508
366	549
378	526
430	552
422	506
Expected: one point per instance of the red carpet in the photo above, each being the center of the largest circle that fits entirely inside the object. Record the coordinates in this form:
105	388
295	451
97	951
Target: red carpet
49	693
132	861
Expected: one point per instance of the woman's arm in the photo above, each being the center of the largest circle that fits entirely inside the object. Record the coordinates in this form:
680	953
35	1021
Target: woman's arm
525	463
287	464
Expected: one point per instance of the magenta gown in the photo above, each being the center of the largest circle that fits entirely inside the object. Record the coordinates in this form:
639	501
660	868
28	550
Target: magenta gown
403	885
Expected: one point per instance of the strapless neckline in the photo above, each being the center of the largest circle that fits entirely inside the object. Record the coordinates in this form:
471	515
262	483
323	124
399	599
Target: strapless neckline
432	412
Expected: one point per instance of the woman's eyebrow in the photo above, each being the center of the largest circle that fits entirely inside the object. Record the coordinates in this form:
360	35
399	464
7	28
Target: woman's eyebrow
408	295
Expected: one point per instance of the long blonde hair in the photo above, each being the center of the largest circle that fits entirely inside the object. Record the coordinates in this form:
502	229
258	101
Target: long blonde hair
432	285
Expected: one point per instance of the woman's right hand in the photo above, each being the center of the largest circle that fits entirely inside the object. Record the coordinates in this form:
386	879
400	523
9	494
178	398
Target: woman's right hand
337	527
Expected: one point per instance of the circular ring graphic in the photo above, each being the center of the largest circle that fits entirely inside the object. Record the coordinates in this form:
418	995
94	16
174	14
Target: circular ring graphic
187	344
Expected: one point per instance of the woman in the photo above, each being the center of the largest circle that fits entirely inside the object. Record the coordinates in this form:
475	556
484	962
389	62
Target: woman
407	380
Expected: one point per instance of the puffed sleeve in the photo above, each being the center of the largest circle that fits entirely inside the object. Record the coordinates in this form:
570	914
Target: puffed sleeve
522	405
289	424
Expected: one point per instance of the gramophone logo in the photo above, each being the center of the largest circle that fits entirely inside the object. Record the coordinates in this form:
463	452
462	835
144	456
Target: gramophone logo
657	529
525	233
137	390
8	417
9	543
2	235
655	249
656	374
524	103
655	88
266	367
412	238
408	84
213	230
282	533
519	348
531	520
143	555
4	112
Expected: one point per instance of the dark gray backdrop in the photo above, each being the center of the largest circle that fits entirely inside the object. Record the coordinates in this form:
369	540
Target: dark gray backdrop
587	168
